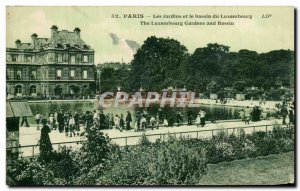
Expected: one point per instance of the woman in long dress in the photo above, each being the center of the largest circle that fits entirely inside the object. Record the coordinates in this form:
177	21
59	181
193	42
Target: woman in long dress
45	143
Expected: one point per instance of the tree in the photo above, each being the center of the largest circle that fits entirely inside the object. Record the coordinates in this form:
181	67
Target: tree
239	86
157	60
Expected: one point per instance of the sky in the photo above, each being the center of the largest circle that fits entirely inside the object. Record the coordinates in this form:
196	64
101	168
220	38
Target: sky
97	26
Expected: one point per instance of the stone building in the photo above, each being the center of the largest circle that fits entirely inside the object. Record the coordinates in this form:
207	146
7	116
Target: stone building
61	66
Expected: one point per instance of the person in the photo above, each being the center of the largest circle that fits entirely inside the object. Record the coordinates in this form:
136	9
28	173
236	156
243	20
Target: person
55	119
38	118
157	122
198	120
117	122
152	122
76	120
72	124
128	120
45	142
102	119
247	114
190	116
60	120
88	121
136	128
24	120
179	118
66	123
291	115
160	115
122	123
166	124
264	112
277	110
255	113
107	121
202	117
143	123
242	115
284	113
51	121
112	121
138	122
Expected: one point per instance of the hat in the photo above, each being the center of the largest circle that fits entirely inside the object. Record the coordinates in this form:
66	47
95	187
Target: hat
44	121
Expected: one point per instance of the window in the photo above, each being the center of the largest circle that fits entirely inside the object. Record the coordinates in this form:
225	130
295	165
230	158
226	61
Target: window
72	74
58	74
14	58
59	58
33	89
33	74
28	59
10	73
85	58
19	74
18	89
73	60
84	74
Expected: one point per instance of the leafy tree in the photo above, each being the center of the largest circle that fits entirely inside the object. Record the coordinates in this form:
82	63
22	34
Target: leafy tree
239	86
157	60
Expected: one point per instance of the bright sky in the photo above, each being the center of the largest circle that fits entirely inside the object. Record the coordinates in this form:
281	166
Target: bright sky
261	35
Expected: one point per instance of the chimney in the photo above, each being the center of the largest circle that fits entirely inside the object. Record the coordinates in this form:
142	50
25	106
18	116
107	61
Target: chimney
54	29
18	43
77	31
33	39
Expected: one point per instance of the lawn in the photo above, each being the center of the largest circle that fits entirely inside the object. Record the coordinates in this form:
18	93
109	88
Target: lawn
269	170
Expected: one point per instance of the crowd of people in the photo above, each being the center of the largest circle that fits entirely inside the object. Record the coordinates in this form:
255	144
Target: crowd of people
76	123
257	113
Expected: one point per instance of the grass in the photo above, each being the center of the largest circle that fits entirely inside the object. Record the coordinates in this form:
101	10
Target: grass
269	170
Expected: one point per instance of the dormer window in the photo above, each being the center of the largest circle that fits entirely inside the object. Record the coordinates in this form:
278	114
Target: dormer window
85	47
59	46
68	46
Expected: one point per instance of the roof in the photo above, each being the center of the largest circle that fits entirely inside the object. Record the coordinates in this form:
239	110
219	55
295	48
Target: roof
65	37
18	109
25	46
60	39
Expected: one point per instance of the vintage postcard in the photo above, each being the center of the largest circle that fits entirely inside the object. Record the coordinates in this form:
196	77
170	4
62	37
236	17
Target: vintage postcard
150	96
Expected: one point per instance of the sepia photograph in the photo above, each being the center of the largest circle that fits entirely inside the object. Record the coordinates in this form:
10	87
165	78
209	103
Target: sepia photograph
150	96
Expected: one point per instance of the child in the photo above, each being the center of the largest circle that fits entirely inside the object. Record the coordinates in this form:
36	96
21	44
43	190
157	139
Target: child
166	124
152	122
198	121
144	123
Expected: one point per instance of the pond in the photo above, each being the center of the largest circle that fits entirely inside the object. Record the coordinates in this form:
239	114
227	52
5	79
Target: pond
215	112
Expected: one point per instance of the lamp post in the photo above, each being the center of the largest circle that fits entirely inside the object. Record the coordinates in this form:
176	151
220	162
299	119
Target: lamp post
99	80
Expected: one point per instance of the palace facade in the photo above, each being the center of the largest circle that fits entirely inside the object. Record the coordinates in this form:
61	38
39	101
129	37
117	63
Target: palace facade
57	67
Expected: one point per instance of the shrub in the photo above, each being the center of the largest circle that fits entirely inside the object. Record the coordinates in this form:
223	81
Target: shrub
24	172
93	152
129	169
178	164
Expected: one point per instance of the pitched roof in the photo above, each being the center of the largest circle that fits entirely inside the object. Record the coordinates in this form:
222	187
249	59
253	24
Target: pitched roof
64	38
25	46
61	39
40	42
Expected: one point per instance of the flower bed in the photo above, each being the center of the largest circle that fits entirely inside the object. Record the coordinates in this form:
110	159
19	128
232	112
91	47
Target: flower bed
180	161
